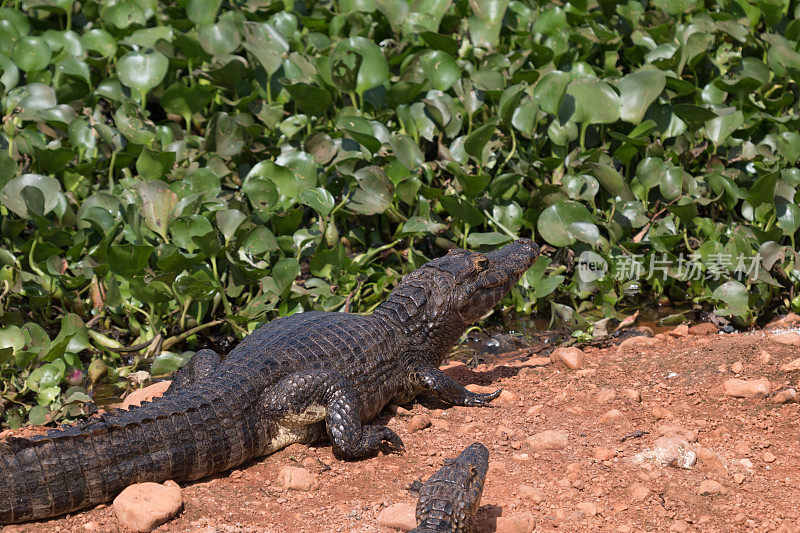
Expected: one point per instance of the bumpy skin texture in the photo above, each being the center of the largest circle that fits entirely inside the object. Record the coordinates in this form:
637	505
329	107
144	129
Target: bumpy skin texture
296	379
449	499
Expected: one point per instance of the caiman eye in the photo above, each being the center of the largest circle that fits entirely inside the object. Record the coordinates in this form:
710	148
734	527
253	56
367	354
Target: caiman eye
482	262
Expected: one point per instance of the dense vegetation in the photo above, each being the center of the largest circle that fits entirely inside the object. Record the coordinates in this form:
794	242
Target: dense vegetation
176	169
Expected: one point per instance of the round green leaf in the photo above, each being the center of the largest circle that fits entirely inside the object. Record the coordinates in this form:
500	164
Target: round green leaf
374	192
720	128
318	199
219	38
564	222
228	221
441	70
100	41
357	64
31	53
735	296
12	194
142	71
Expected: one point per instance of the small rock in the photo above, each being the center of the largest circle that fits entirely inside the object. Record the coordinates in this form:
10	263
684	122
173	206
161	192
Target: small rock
661	412
706	328
587	509
605	396
531	494
633	395
680	526
669	450
520	523
145	394
764	357
738	478
747	388
401	516
638	492
787	320
586	372
747	463
791	366
145	506
785	396
611	417
572	358
92	526
669	429
295	478
418	423
635	342
769	457
603	454
789	337
737	367
549	439
709	487
679	331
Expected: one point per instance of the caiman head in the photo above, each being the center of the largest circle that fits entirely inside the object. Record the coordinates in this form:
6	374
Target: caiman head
435	304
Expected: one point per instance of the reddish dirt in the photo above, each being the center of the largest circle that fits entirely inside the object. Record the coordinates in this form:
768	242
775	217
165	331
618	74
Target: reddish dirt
749	446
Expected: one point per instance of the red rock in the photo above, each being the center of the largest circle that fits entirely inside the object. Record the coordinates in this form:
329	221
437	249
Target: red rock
633	395
706	328
785	396
418	423
145	506
769	457
587	509
145	394
603	454
679	331
636	342
549	439
791	366
751	388
791	338
787	320
520	523
295	478
400	516
764	357
572	358
605	396
638	492
737	367
531	494
709	487
611	417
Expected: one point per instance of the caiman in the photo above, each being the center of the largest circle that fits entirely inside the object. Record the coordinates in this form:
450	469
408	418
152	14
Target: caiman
297	379
449	499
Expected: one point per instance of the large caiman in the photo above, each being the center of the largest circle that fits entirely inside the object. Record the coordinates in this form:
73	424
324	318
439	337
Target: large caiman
297	379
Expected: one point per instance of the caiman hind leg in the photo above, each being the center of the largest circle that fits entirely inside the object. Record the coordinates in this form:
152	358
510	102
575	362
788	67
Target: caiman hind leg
434	380
311	396
202	364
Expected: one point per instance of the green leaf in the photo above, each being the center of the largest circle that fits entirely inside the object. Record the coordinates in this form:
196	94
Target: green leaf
266	43
309	98
590	101
440	69
637	91
462	210
406	151
228	221
142	71
31	54
475	141
318	199
487	239
357	64
284	273
158	205
374	192
202	11
167	362
736	298
12	194
720	128
564	222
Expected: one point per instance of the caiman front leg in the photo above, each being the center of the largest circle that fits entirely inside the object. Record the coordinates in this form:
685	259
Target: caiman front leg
311	396
201	365
434	380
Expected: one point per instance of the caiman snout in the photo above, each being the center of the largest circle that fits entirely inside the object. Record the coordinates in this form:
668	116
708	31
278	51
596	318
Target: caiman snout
517	256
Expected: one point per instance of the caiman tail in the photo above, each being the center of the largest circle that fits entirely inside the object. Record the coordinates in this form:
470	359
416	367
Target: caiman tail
183	436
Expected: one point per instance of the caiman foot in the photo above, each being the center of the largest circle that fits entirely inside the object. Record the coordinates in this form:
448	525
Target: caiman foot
434	380
373	439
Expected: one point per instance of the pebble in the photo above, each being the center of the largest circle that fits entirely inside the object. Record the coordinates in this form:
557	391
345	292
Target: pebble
606	395
572	358
92	525
145	394
738	478
791	366
145	506
587	508
401	516
769	457
789	337
586	372
295	478
709	487
747	463
764	357
611	417
667	429
706	328
531	494
418	423
550	439
633	395
661	412
785	396
680	526
603	454
638	492
520	523
737	367
746	388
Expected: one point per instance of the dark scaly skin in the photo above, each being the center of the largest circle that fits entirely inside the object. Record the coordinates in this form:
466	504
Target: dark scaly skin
300	378
449	499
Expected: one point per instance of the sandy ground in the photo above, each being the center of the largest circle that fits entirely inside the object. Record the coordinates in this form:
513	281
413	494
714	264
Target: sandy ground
625	403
